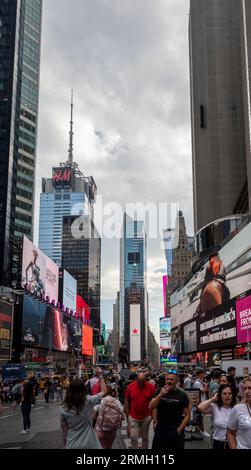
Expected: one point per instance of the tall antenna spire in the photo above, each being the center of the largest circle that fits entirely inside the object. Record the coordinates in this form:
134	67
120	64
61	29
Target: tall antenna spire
70	151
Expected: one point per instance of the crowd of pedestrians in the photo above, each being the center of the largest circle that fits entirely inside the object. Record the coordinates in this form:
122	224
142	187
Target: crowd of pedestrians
158	398
93	408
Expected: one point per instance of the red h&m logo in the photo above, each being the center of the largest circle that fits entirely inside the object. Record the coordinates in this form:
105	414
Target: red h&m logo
62	176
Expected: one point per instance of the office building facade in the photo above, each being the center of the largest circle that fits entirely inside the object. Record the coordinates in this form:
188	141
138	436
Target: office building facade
81	257
20	39
179	253
133	279
217	71
67	193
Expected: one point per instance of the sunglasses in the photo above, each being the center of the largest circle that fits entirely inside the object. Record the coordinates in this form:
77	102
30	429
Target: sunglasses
172	371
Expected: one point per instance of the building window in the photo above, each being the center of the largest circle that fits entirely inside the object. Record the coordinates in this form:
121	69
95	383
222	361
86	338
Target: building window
202	117
133	258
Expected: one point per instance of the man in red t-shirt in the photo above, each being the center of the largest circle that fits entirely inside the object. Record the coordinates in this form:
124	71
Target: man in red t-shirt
137	398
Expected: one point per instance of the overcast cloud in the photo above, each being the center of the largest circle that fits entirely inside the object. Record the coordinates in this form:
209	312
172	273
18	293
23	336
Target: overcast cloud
127	61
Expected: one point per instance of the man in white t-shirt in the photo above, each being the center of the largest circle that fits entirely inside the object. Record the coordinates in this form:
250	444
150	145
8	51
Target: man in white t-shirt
203	387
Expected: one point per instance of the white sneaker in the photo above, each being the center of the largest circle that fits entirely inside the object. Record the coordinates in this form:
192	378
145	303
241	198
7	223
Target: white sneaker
23	432
205	434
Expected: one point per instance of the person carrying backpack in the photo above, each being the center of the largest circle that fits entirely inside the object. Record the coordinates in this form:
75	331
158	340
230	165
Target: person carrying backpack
108	416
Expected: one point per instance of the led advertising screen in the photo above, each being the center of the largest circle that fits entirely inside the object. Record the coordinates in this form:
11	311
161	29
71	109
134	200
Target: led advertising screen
82	309
217	328
46	327
243	318
40	274
69	291
226	275
37	326
190	337
6	320
87	340
165	333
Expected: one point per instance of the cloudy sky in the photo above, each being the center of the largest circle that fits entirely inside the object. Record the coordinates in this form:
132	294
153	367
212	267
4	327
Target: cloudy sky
127	61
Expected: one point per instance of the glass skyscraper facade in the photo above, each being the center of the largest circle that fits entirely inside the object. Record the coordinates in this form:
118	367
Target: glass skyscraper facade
66	193
81	257
133	283
20	38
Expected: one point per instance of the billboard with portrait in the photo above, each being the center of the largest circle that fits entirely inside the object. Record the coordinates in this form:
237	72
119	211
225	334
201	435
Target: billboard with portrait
69	291
6	321
165	333
40	274
224	276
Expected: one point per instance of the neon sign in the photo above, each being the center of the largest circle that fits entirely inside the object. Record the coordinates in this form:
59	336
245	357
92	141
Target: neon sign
61	176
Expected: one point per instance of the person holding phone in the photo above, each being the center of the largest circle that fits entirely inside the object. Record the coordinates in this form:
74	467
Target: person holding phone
173	414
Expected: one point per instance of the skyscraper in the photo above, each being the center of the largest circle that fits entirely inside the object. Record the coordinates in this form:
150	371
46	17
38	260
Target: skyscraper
81	257
218	93
133	281
20	38
67	193
179	252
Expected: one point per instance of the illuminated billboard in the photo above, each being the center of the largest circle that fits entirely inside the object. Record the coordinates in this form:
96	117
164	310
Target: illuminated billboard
217	327
82	309
87	340
46	327
6	320
243	318
135	333
61	176
40	274
226	275
190	337
165	333
69	291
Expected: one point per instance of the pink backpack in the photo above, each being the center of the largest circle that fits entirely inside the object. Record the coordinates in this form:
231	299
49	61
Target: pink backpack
109	416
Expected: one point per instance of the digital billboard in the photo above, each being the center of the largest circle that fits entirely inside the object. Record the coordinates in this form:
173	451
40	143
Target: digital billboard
217	327
46	327
190	337
82	309
69	291
224	276
176	340
87	340
135	332
40	274
243	318
165	333
37	326
6	320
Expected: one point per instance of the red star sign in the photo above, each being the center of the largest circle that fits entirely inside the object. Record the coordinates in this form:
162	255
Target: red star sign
135	331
